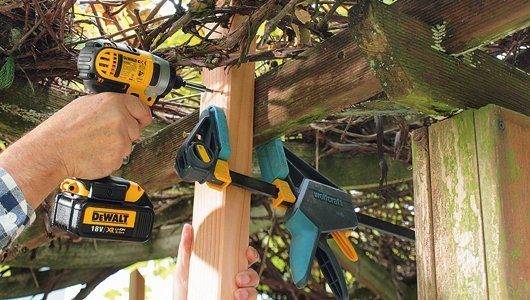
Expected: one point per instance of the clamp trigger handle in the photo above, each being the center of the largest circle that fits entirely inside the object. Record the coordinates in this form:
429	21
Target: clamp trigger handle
331	269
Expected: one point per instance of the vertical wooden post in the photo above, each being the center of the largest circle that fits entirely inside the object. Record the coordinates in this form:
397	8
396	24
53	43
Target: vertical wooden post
221	218
423	214
136	286
471	201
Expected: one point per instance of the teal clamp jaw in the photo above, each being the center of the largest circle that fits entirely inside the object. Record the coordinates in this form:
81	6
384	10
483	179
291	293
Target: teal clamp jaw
316	213
221	127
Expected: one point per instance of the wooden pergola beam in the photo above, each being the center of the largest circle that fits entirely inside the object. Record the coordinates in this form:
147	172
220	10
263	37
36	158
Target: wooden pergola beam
285	100
416	72
417	76
24	106
28	284
469	24
471	191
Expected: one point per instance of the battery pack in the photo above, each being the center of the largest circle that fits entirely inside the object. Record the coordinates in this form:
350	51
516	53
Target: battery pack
91	217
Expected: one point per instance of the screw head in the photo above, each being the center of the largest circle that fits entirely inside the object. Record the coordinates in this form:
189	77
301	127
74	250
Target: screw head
501	125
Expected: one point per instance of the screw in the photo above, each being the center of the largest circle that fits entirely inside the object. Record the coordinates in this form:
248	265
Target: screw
502	126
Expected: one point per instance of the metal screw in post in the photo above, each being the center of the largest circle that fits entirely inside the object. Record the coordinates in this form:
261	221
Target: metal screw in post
502	126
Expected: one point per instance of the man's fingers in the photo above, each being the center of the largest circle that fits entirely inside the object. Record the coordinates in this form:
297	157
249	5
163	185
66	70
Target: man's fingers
252	256
133	129
247	278
180	290
245	294
139	110
184	254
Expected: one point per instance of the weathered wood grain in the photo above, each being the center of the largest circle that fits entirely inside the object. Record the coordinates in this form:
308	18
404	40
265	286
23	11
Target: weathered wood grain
479	166
456	210
24	106
359	171
415	72
470	24
423	215
503	142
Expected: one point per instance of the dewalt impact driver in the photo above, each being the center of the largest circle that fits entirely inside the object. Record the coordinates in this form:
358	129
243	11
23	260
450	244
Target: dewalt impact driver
114	208
106	66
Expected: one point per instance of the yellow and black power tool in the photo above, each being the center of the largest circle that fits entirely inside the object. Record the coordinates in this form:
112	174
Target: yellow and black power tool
110	208
114	208
106	66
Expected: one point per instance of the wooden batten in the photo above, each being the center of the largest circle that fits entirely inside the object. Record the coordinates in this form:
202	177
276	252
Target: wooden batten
136	286
221	218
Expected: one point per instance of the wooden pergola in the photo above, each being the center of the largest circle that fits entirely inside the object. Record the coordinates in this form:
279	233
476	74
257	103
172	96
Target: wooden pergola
470	171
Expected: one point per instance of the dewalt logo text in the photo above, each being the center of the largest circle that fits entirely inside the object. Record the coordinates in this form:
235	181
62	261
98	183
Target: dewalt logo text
110	217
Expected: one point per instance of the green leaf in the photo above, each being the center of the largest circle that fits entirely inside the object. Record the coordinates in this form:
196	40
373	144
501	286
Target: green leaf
112	294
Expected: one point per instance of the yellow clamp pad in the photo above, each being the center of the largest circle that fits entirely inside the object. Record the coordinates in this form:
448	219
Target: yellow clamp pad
222	174
203	154
285	194
345	245
71	185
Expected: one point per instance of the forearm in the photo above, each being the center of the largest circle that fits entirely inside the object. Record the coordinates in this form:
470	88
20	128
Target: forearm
32	162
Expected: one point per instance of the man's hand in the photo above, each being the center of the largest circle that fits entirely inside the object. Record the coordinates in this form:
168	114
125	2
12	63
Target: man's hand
246	280
98	132
87	139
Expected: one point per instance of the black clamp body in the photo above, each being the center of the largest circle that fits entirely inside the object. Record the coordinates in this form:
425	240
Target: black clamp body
320	210
203	155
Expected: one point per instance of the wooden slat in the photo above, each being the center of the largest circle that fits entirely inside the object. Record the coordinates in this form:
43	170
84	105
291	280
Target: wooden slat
470	24
423	215
136	286
221	218
164	242
503	141
24	106
415	72
332	75
456	210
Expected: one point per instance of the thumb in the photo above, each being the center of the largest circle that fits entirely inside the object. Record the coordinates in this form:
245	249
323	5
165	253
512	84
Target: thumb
180	290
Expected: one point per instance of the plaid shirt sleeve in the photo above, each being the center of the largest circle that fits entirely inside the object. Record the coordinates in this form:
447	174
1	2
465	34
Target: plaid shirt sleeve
15	213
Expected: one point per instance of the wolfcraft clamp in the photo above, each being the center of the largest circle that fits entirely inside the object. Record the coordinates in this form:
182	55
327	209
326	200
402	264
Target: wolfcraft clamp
320	211
317	211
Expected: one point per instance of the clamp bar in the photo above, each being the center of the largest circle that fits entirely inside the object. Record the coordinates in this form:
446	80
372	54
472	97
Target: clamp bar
254	185
264	188
386	227
364	220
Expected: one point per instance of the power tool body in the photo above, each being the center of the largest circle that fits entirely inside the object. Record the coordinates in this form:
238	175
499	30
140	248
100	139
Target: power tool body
113	208
106	66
